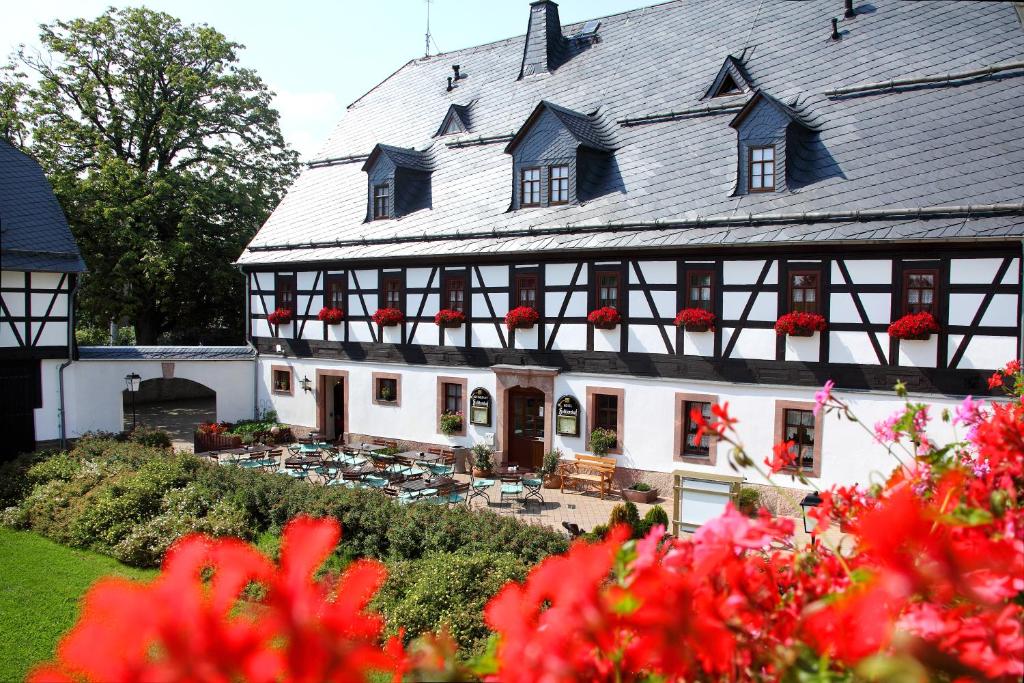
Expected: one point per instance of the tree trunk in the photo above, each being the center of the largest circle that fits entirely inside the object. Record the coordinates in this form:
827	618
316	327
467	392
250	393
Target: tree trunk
147	327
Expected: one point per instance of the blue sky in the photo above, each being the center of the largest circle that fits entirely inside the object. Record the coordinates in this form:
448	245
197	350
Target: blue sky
319	56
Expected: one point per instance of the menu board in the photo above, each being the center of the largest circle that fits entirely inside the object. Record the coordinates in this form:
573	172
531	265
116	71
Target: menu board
480	407
567	416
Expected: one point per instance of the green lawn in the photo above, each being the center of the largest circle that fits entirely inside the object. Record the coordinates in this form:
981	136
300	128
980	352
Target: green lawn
41	584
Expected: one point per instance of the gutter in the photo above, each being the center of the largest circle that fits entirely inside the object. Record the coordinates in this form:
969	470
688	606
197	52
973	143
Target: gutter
248	342
65	364
927	80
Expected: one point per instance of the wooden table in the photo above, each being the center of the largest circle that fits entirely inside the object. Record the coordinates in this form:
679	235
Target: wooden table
438	483
421	456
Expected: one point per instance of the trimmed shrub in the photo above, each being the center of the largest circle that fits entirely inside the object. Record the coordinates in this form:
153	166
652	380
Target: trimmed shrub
148	436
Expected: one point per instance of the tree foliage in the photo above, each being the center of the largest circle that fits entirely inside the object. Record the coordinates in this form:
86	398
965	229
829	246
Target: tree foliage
166	156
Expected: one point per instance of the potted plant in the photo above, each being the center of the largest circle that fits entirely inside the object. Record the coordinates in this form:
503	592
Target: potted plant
450	423
798	324
387	317
639	492
549	469
446	318
482	463
914	327
521	318
280	316
386	393
748	501
602	440
695	320
330	315
604	318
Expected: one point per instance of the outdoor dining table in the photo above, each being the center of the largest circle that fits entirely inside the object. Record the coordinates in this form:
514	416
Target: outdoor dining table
304	463
419	456
372	447
438	483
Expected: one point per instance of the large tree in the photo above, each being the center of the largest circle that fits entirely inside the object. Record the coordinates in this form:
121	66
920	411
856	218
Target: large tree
166	156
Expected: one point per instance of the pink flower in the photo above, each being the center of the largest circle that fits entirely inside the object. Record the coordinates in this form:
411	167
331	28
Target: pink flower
885	430
823	396
968	412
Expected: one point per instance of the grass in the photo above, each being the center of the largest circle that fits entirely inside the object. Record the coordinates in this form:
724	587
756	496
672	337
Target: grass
41	584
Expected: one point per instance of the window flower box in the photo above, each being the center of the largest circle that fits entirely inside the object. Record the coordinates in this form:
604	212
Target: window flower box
388	317
451	423
800	324
521	318
280	316
914	327
695	320
449	319
604	318
331	316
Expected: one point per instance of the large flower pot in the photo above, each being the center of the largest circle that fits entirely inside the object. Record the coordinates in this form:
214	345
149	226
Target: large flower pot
634	496
553	481
481	474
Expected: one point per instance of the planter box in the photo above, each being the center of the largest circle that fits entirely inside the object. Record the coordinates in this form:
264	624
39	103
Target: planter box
916	337
203	442
553	481
605	326
696	327
482	474
634	496
523	327
450	326
801	333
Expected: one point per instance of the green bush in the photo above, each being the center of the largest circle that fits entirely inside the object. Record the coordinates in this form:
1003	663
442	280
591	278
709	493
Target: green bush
748	500
446	590
148	436
656	515
625	513
640	486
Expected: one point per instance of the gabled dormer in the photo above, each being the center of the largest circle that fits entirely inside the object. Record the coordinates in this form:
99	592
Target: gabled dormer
559	156
398	182
768	132
456	120
732	79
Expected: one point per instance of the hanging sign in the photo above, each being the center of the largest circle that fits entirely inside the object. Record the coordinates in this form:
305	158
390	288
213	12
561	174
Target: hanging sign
567	416
480	407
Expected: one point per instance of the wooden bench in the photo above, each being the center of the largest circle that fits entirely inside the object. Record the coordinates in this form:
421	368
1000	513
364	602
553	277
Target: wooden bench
588	471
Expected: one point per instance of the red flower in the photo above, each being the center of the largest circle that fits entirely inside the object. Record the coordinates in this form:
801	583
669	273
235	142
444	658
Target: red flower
280	316
1012	367
605	317
783	455
914	326
800	324
388	317
521	317
696	318
449	318
996	380
331	316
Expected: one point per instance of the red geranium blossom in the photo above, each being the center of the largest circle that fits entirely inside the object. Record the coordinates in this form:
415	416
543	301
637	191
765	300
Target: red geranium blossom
521	317
331	316
605	317
695	318
388	317
914	326
800	323
449	318
280	316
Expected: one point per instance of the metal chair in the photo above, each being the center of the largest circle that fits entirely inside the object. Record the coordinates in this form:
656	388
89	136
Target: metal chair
533	487
478	488
511	487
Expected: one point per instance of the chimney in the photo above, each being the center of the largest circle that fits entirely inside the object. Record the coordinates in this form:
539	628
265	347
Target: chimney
455	68
835	30
450	86
850	13
545	44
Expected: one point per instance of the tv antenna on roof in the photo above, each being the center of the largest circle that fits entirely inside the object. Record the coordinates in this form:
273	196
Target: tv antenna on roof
428	39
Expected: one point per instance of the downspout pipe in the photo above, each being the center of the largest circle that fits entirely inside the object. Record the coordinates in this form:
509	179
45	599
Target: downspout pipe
65	364
252	347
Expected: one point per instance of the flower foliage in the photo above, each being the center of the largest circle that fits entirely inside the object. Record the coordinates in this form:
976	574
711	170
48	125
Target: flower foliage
450	423
914	326
695	318
388	317
605	317
1009	379
280	316
214	428
797	323
330	315
449	318
521	317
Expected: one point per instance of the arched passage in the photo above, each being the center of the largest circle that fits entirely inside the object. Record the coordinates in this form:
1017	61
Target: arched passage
175	405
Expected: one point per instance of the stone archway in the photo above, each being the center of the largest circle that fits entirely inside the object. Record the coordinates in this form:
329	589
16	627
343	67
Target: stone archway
172	404
509	377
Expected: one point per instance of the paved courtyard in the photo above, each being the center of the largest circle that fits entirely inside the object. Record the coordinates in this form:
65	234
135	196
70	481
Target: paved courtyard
178	418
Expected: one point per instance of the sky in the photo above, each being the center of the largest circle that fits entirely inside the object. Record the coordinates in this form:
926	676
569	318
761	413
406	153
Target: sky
320	55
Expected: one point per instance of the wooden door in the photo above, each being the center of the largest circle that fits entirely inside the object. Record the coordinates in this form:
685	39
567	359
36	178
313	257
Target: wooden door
525	431
338	406
19	398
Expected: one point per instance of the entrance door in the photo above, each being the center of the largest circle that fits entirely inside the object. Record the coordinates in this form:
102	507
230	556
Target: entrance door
18	400
337	416
525	436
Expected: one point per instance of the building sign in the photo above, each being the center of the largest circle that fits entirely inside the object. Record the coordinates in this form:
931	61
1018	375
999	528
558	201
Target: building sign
567	416
480	407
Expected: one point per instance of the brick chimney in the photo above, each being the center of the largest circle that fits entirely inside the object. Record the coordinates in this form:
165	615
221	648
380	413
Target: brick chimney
545	45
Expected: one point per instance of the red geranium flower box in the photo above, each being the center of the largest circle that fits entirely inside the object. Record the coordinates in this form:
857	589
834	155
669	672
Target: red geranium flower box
449	318
800	324
604	318
331	316
388	317
914	326
521	318
695	320
280	316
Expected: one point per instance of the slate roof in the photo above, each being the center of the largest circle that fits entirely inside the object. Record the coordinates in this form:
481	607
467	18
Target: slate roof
947	144
165	353
590	131
34	234
403	158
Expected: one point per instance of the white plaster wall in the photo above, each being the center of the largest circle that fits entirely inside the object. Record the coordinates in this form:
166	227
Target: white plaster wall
752	343
93	389
865	271
570	337
647	339
527	339
367	279
560	274
699	343
47	418
855	347
391	334
485	335
803	349
314	329
456	337
609	340
657	272
977	271
307	279
983	352
418	277
1002	311
494	276
920	353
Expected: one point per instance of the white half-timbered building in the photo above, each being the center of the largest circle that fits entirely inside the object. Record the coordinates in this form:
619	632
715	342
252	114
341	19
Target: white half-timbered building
40	264
746	158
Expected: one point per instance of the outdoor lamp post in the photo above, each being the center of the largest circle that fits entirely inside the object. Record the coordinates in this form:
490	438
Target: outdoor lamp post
131	381
811	500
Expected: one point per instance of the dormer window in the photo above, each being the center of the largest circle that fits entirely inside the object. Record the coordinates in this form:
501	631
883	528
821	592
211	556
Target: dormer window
530	187
732	79
380	202
558	184
762	169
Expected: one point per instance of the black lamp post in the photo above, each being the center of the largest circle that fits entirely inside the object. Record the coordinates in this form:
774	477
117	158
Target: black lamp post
131	381
811	500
